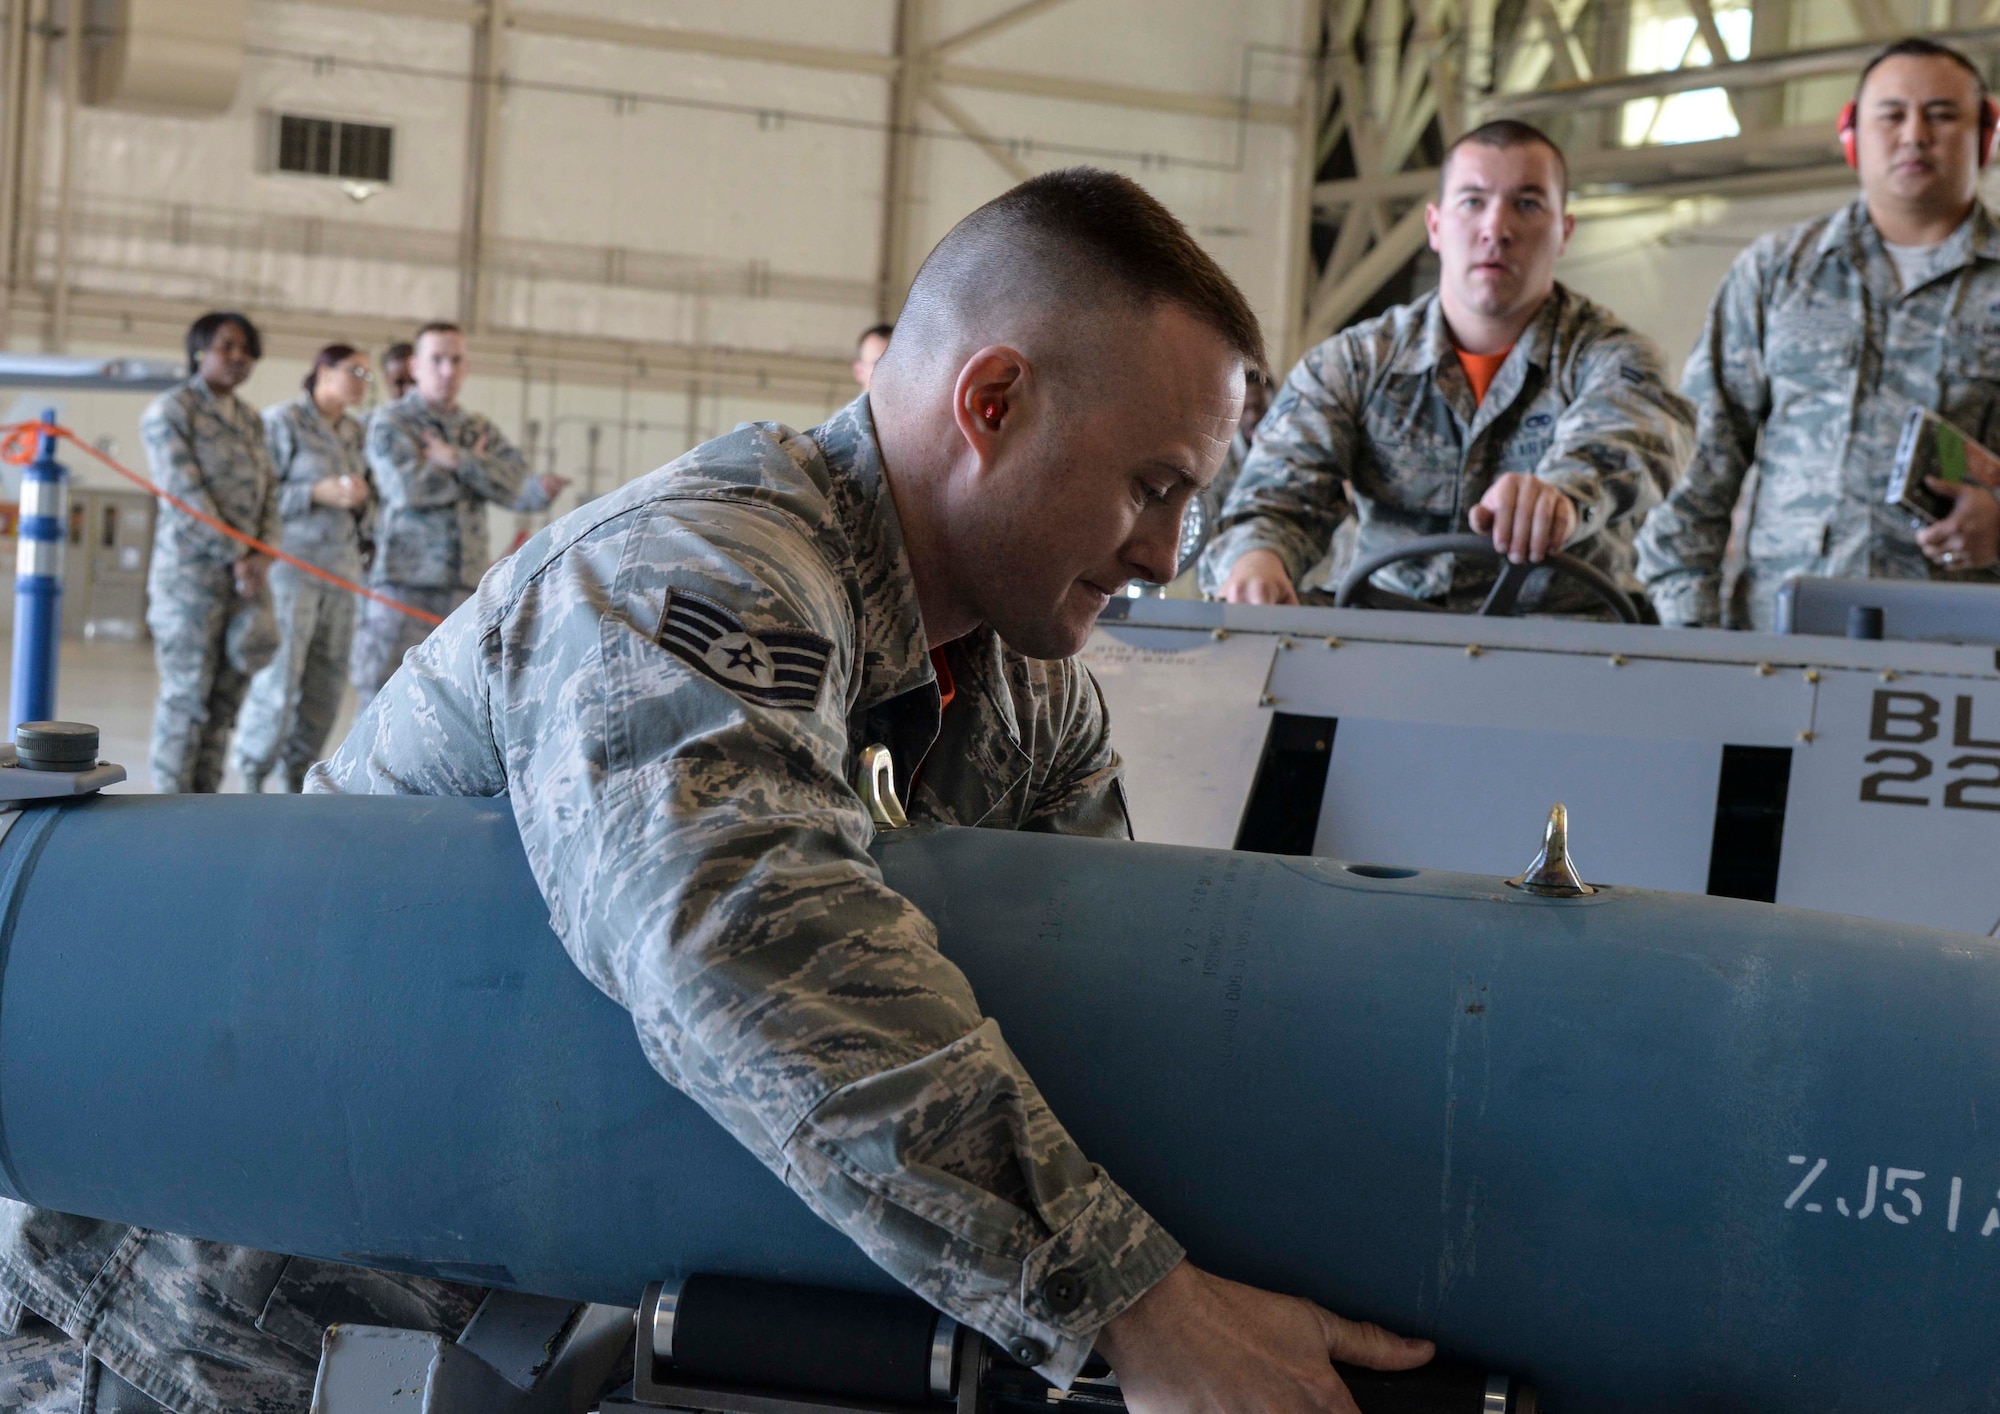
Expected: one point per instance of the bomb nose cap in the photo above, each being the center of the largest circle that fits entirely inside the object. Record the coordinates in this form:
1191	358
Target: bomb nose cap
1553	875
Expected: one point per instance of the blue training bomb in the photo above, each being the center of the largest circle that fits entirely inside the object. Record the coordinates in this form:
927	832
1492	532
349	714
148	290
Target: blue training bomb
1648	1151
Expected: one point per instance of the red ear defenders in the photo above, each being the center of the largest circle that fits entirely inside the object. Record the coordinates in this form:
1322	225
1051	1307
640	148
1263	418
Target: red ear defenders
1989	125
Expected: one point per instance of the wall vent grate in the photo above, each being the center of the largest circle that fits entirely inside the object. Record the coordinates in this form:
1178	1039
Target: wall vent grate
333	147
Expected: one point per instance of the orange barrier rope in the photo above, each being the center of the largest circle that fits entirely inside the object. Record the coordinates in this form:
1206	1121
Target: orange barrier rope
18	447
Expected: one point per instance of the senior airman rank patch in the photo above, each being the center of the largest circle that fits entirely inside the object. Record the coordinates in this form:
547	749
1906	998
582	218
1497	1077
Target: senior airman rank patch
775	668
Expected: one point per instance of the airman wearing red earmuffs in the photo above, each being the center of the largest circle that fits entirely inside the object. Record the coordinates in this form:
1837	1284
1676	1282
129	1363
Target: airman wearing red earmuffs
1819	342
1989	123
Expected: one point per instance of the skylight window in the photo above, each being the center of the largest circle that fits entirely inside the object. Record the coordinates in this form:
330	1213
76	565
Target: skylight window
1663	37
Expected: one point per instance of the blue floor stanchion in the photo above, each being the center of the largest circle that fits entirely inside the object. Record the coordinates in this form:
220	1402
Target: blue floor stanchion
38	584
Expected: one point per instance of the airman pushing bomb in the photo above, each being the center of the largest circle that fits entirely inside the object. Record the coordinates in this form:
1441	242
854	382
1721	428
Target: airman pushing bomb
674	687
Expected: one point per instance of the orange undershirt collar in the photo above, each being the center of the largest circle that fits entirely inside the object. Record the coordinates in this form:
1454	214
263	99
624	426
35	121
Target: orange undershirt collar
947	687
1481	369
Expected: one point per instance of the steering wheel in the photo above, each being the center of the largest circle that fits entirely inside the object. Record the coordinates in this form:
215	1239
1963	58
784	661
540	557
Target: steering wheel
1357	592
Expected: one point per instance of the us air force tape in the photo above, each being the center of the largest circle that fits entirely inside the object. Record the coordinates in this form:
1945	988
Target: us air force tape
771	668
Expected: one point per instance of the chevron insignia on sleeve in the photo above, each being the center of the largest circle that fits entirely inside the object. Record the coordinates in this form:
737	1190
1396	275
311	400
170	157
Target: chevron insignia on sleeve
774	668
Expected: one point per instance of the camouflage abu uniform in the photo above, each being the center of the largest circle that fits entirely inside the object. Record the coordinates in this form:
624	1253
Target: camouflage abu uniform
1813	346
1581	402
294	700
95	1313
208	450
1216	494
42	1371
533	499
430	523
673	684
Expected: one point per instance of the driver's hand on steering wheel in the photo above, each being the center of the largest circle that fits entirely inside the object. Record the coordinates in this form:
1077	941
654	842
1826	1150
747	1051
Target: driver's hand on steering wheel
1258	577
1529	518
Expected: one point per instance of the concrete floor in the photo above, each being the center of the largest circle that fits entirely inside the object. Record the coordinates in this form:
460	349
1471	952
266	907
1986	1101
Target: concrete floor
112	686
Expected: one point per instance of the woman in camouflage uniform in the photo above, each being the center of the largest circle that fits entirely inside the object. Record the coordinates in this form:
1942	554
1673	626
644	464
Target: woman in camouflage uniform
208	605
323	494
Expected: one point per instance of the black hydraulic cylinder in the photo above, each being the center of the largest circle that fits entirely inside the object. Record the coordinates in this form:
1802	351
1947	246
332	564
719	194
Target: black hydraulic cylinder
844	1344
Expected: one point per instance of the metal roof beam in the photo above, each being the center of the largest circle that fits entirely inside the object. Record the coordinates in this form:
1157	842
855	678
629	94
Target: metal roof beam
1118	95
993	25
1769	153
1746	73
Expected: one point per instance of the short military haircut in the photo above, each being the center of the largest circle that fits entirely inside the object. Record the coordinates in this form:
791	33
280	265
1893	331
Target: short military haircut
202	333
1917	47
402	351
1065	240
873	331
1504	133
436	326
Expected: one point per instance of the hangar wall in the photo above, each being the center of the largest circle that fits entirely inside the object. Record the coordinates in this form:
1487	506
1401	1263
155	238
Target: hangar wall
1658	268
690	206
674	240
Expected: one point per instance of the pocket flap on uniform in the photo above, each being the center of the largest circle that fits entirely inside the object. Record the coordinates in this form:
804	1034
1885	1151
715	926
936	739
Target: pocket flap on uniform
1815	342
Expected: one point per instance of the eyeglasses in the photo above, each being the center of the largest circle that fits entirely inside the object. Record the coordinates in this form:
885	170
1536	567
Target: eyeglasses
357	371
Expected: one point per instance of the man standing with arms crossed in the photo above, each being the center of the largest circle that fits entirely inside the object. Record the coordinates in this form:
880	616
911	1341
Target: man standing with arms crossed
1503	403
1821	340
436	466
